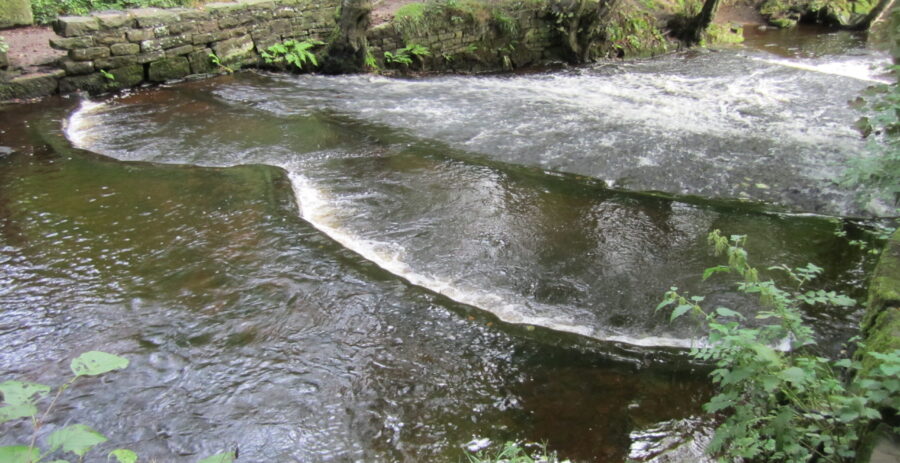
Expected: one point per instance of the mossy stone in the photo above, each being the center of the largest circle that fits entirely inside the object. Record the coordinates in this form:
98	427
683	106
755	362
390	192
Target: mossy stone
169	69
15	13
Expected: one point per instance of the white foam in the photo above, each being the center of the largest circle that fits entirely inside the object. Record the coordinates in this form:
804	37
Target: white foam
316	208
78	127
860	70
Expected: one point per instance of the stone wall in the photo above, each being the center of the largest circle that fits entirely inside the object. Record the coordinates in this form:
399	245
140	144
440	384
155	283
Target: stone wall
121	49
495	38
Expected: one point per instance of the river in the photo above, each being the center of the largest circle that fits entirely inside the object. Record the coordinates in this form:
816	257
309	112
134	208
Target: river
360	268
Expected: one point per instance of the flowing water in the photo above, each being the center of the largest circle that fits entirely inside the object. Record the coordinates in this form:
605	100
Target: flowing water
358	268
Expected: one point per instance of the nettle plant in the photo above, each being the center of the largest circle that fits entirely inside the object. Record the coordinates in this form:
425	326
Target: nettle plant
294	53
779	401
21	400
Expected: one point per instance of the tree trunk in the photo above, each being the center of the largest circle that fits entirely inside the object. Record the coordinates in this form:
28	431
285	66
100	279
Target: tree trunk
866	22
707	14
347	52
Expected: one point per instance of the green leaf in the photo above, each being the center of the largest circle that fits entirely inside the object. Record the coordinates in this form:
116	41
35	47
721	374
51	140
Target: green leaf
714	270
77	438
123	456
96	363
12	412
225	457
794	375
680	310
19	454
21	392
719	402
726	312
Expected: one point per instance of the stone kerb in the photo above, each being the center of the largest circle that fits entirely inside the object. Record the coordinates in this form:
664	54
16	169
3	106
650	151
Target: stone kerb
119	49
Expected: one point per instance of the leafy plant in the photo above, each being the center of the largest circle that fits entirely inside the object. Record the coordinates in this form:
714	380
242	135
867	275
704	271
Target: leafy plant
107	75
292	52
214	59
780	400
515	452
4	47
404	56
21	399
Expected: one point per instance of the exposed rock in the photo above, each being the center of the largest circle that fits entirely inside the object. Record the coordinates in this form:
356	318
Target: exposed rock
169	69
15	13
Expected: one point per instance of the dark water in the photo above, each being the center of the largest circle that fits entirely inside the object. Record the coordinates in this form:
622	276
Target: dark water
363	269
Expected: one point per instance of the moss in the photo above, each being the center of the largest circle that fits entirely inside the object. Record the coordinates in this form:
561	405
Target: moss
881	323
721	34
411	12
786	13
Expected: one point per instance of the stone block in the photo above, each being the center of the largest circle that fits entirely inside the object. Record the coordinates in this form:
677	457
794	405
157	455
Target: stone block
182	27
88	54
151	46
150	56
115	62
93	83
71	43
235	19
190	14
31	85
15	13
201	39
113	19
169	69
200	62
174	41
153	17
236	50
110	37
203	27
76	68
139	35
128	76
75	26
178	51
124	49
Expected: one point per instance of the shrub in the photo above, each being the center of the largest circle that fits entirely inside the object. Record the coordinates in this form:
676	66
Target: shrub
781	402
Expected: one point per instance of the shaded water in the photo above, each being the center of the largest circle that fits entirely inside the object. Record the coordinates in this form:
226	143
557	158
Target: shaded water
363	269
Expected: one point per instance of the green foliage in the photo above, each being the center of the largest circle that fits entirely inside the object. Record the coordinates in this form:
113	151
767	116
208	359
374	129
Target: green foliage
45	11
786	13
875	175
404	56
107	75
292	52
4	47
123	456
634	35
21	398
515	452
782	405
214	59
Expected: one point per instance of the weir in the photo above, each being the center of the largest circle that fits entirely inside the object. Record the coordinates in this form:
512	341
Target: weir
361	268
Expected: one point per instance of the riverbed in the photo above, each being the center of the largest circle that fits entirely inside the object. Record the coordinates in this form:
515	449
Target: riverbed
361	268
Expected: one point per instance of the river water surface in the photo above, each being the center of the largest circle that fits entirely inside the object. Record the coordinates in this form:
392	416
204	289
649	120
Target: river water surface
358	268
